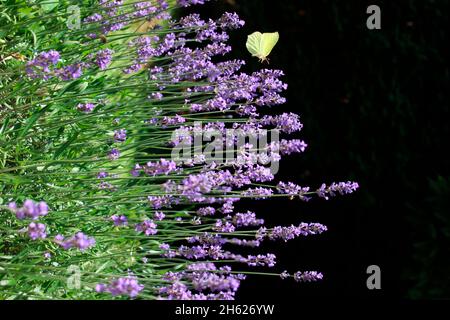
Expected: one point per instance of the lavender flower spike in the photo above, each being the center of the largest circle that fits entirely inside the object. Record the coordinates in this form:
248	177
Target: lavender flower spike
123	286
30	209
308	276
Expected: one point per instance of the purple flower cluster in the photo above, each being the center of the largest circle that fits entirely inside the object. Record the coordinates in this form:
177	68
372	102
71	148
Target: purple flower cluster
258	193
224	226
196	187
286	122
287	147
165	121
119	221
341	188
259	260
162	166
71	72
120	135
308	276
114	154
159	216
115	15
202	277
293	190
30	209
86	107
148	227
291	232
158	202
103	58
122	286
79	240
144	9
104	185
102	175
246	219
37	231
206	211
42	64
187	3
44	67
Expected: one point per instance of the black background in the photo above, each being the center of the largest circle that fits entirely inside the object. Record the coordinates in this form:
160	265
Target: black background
374	105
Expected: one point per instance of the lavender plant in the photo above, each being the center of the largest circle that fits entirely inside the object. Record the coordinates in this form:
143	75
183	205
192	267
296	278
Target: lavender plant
107	162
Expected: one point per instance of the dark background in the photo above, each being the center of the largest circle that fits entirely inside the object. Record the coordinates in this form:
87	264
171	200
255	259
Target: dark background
374	105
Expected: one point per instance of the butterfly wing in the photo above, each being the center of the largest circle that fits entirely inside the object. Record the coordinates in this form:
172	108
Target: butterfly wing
253	44
269	40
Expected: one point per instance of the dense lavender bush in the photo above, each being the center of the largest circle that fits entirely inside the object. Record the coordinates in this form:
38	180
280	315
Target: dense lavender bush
97	184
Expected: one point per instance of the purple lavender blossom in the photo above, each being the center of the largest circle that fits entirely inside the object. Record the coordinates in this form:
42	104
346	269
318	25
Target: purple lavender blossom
102	175
206	211
230	21
133	68
40	66
202	281
286	122
30	209
136	171
258	193
144	9
156	96
158	202
188	3
104	185
123	286
86	107
162	166
258	260
103	58
164	246
120	135
114	154
342	188
287	147
308	276
93	18
71	72
172	121
175	291
201	266
194	252
293	190
49	57
227	207
79	240
148	227
244	242
119	221
159	216
292	232
246	219
224	226
37	231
